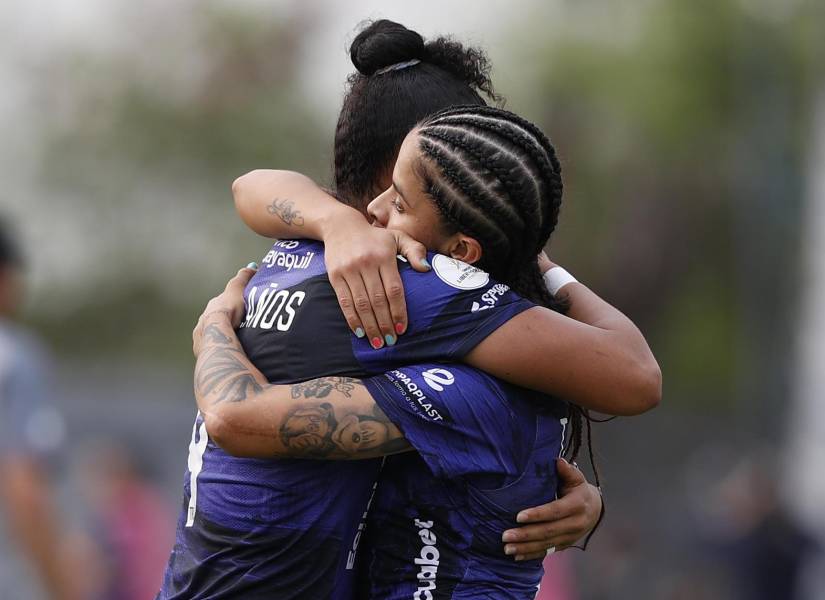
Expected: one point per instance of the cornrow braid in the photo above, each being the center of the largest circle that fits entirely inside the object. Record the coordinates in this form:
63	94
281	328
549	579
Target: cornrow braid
504	176
541	153
496	176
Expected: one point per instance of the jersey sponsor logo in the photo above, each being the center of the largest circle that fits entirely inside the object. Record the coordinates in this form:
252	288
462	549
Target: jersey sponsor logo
427	561
413	392
458	274
276	258
438	378
491	297
272	308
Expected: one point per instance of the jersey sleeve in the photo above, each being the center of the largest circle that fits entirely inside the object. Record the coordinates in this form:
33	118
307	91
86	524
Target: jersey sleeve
450	310
457	418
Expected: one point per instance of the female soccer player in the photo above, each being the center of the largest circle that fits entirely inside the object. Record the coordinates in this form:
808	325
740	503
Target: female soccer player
288	528
484	448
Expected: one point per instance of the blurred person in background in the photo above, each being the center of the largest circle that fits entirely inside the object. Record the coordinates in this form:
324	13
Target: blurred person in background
130	523
753	533
30	431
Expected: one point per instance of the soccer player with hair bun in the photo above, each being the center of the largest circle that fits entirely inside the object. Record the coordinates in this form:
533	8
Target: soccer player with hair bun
281	377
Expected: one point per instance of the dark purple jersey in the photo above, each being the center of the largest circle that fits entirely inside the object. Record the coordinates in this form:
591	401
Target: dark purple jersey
484	451
253	528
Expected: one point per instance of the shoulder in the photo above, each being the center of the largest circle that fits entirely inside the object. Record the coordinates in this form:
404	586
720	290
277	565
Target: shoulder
19	348
453	280
443	393
448	272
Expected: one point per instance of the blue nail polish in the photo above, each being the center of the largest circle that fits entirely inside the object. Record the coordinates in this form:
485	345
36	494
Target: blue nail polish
426	263
390	339
359	333
252	265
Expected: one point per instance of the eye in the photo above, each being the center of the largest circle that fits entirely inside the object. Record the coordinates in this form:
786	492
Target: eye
396	202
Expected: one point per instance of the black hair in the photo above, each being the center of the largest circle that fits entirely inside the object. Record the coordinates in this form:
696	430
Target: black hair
382	104
496	176
381	107
10	254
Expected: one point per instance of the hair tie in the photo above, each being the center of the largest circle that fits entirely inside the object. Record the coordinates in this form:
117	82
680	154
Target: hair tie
397	66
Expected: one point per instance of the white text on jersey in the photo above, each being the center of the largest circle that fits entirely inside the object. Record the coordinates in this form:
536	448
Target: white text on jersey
404	382
272	308
427	561
276	258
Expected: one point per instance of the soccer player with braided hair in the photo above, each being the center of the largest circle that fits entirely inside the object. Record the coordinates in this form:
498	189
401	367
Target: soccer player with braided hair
477	186
485	449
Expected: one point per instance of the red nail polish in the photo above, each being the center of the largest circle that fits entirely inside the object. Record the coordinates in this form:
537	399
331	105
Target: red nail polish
376	342
399	328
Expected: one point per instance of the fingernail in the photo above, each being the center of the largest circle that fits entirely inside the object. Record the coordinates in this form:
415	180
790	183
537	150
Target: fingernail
377	343
359	333
508	550
426	263
521	517
390	339
520	557
252	265
399	328
508	536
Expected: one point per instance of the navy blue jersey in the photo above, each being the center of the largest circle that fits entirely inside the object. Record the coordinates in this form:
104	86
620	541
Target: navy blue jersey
278	529
485	451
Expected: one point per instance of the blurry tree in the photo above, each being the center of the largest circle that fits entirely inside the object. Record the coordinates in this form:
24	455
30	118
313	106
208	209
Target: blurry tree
684	126
142	143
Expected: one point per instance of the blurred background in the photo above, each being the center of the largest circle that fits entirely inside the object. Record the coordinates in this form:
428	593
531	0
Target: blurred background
693	142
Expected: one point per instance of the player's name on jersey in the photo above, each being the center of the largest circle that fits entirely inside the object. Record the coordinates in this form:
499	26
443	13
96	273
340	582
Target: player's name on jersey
272	308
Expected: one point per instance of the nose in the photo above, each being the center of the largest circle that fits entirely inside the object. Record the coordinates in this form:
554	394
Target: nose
378	209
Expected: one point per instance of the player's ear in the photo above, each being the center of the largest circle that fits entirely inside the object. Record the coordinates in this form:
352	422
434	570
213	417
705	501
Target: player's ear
464	248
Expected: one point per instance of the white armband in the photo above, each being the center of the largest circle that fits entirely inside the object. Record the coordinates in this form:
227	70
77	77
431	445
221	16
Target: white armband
556	278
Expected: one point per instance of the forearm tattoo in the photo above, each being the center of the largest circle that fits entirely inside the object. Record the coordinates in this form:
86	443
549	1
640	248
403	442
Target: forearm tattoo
222	373
321	388
284	209
214	334
327	417
313	430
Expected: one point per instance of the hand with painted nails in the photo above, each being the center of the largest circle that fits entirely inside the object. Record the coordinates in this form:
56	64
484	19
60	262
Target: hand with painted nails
229	305
558	524
363	269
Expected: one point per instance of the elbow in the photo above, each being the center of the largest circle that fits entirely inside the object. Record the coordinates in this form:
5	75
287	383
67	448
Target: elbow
231	432
241	185
649	393
217	428
224	433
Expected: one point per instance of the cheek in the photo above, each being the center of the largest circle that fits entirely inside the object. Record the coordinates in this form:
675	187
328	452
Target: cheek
414	226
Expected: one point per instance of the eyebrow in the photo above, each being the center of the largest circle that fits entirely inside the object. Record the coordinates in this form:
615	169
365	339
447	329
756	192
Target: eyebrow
401	193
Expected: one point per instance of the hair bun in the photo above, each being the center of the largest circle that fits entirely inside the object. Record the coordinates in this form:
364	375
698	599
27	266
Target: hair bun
384	43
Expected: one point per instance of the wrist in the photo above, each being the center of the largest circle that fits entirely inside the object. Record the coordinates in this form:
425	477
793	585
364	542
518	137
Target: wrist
556	278
218	316
339	217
